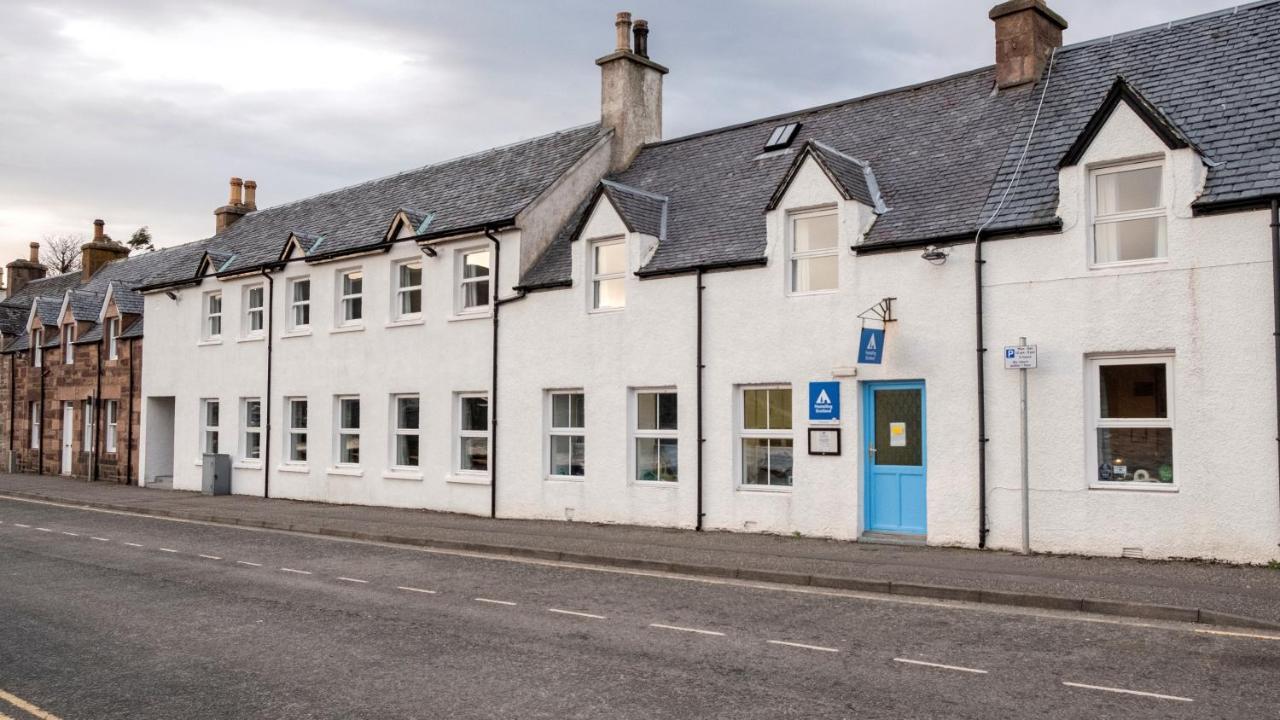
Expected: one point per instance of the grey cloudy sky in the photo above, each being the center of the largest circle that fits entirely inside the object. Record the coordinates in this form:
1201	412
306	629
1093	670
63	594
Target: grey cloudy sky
137	111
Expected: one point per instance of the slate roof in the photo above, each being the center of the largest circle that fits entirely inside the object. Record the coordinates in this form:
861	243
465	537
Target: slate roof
944	151
134	330
641	211
13	320
86	305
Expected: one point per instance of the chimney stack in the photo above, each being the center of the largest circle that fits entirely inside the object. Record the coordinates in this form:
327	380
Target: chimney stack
1027	33
22	272
96	253
631	93
236	206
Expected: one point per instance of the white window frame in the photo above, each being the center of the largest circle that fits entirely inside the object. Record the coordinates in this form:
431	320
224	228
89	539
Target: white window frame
291	431
112	411
569	431
1095	421
37	347
113	338
461	434
346	299
743	434
398	432
793	256
69	343
247	430
251	312
460	282
341	431
1095	219
212	320
659	434
401	291
597	277
87	413
296	306
207	430
36	423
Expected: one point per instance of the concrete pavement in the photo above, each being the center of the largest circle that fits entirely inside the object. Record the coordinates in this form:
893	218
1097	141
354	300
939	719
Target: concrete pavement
1186	591
112	616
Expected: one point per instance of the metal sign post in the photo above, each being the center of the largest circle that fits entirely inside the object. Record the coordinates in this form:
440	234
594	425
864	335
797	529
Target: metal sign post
1021	358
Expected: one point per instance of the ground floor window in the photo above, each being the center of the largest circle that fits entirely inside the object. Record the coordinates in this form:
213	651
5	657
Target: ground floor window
406	427
566	434
110	409
348	427
473	433
296	430
209	423
765	436
251	421
35	426
1131	400
656	445
86	442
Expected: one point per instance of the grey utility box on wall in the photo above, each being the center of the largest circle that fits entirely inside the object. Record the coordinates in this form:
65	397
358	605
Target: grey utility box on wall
217	474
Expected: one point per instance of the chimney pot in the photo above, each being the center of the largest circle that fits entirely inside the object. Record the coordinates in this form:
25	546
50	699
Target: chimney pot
34	255
641	31
623	25
237	187
251	194
1027	33
98	226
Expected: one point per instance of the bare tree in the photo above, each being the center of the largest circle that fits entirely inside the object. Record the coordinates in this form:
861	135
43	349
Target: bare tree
61	253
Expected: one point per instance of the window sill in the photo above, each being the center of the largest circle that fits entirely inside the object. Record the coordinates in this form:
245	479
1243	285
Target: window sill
347	329
401	475
301	332
478	315
299	469
206	343
350	471
667	484
251	338
1135	486
1129	264
406	322
247	464
811	293
606	311
566	478
766	489
462	478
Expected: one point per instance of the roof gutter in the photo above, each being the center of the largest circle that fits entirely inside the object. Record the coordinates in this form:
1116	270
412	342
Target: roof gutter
1047	228
703	268
1260	202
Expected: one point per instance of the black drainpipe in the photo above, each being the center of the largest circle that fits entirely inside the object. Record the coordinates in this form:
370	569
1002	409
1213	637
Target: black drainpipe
1275	295
978	262
40	439
698	400
13	394
96	404
128	448
493	381
266	405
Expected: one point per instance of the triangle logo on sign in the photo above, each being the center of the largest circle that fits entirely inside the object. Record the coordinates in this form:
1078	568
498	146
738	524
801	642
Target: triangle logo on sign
871	342
823	398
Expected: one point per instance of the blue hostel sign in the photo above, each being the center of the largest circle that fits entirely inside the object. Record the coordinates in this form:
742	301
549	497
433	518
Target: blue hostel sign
824	401
871	346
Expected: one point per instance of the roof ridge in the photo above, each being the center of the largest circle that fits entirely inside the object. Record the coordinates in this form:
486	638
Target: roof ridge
438	163
1170	24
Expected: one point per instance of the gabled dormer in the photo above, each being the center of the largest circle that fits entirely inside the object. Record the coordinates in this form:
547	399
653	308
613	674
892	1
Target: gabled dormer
300	245
212	263
1122	92
851	177
407	223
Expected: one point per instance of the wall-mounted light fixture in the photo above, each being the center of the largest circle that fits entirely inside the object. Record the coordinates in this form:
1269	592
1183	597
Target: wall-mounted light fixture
428	250
171	295
935	255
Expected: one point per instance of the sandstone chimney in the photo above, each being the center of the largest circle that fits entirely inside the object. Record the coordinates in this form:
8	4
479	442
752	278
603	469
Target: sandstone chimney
22	271
251	195
631	93
98	252
1027	32
235	207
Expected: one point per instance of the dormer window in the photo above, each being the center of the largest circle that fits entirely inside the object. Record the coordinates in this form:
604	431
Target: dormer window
113	338
608	275
814	252
68	343
1128	214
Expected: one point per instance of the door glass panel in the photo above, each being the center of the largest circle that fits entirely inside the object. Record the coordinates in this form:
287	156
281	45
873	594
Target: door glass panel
898	440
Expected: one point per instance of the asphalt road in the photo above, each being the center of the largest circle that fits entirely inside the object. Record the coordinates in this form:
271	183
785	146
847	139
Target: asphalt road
113	616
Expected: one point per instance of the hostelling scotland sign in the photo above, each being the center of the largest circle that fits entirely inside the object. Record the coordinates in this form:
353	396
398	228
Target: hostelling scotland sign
871	346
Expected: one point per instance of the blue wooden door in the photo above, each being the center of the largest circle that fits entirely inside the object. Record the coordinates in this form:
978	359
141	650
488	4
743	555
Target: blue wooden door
894	451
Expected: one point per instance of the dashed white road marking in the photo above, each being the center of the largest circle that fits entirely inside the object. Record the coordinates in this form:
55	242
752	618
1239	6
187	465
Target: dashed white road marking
803	646
414	589
210	557
21	525
686	629
575	613
494	602
353	580
1123	691
99	539
940	666
131	544
169	550
27	707
64	532
296	572
1229	633
250	564
44	529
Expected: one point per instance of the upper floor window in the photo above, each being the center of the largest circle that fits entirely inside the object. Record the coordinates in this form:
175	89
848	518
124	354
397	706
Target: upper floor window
253	312
113	338
300	304
608	274
68	343
351	297
767	442
213	315
406	431
814	249
408	300
657	446
1128	214
37	347
567	439
473	281
1132	418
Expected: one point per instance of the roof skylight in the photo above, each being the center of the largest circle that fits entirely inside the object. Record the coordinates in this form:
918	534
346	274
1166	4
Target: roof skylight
782	136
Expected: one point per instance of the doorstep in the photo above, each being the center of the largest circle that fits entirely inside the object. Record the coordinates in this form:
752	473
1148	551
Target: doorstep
883	538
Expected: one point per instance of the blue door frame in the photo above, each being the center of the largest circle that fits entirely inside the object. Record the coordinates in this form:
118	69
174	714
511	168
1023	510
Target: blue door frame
894	498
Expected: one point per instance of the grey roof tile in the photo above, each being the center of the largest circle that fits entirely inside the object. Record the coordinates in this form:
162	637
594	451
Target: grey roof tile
134	330
642	212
